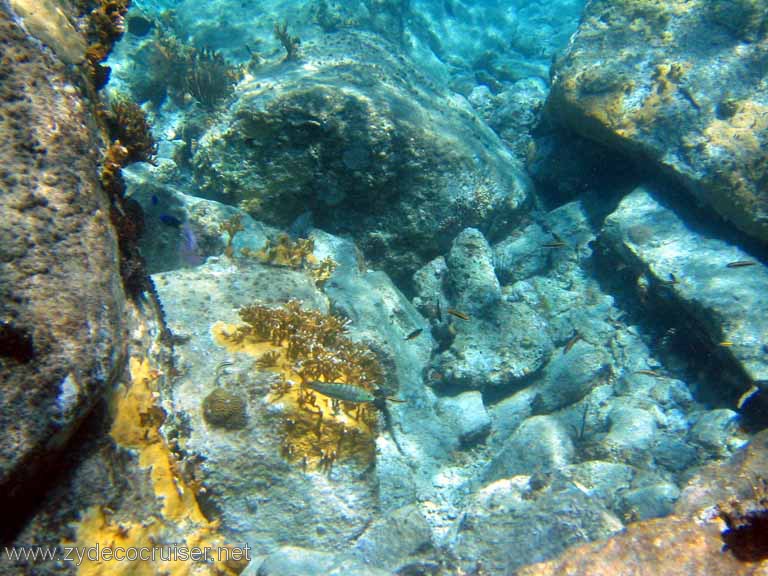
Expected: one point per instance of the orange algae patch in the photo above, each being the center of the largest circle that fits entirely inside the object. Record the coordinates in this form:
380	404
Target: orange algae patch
136	426
315	430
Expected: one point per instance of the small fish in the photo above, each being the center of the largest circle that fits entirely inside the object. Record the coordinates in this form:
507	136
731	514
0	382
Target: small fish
155	200
458	314
650	373
726	344
748	395
344	392
439	311
413	334
571	343
169	220
740	264
554	244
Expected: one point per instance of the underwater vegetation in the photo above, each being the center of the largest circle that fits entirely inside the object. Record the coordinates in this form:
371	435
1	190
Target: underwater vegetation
128	125
312	358
296	254
290	43
106	25
182	71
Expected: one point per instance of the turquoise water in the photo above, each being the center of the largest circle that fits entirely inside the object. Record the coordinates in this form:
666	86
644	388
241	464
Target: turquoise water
427	287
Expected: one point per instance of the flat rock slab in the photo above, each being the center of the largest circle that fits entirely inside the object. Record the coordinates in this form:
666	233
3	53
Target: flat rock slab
725	301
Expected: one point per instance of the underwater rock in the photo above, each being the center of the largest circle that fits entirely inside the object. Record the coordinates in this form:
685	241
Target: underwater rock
569	377
335	505
181	230
393	538
519	255
402	167
716	431
467	416
494	351
652	501
667	99
62	305
470	273
540	443
47	22
295	561
508	510
688	542
603	480
692	268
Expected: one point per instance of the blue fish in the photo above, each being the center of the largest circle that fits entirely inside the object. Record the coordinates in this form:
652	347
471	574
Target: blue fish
155	200
169	220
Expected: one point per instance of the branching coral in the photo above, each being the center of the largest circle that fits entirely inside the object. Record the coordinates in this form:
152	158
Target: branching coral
287	252
106	24
231	227
290	43
306	346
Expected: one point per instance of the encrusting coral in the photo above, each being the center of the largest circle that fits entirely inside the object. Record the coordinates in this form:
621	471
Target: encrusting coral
136	428
306	346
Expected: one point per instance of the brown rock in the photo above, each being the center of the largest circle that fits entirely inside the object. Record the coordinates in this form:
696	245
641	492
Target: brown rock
61	299
688	542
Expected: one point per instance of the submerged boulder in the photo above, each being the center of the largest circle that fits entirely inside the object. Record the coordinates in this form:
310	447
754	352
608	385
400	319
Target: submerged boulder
372	148
717	285
62	306
684	88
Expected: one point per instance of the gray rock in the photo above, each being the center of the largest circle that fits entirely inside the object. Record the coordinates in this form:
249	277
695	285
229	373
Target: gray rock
716	431
569	377
393	538
403	167
632	429
652	501
508	414
470	273
295	561
603	480
722	300
540	443
466	415
520	256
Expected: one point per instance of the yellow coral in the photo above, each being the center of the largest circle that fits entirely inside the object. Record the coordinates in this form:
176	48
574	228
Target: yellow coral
136	426
305	346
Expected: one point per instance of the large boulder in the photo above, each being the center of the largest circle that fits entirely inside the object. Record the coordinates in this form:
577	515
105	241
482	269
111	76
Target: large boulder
371	147
697	271
61	299
682	89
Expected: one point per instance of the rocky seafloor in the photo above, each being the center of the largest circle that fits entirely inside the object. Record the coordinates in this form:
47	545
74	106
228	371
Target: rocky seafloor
545	306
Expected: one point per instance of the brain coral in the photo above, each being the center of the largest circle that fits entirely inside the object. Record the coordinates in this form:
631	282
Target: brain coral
223	409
